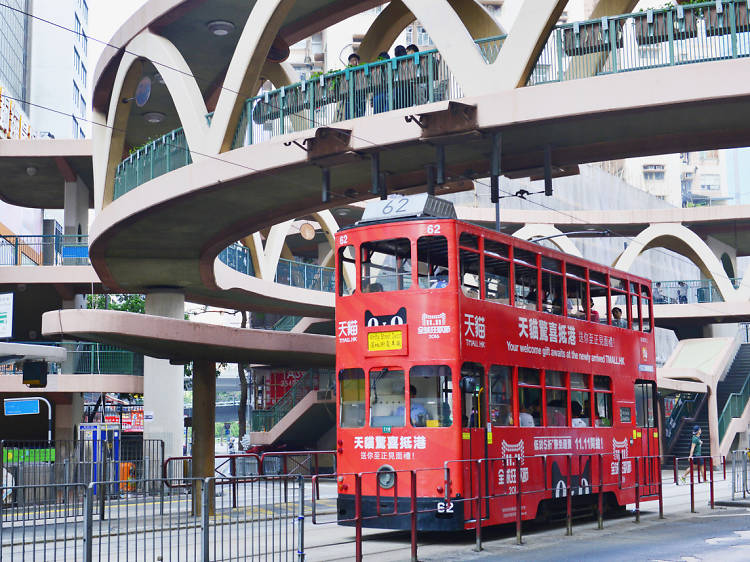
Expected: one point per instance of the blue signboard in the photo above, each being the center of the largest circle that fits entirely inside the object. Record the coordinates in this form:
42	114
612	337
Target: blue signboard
21	406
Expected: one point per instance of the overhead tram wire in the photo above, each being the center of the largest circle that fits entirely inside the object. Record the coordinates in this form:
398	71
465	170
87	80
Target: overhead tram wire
309	119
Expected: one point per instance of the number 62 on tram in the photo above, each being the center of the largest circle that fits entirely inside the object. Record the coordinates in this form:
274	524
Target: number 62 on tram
455	343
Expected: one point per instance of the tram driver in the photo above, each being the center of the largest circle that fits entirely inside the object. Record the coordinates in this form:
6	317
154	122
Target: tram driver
418	415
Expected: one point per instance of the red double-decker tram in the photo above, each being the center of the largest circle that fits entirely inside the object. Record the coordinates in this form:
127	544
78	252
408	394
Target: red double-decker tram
508	363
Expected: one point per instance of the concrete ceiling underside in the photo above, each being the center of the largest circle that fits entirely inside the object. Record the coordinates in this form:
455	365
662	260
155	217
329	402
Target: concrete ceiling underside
34	172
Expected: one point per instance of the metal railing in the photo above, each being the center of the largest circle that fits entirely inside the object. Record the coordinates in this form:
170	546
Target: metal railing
305	275
671	36
89	359
740	472
158	157
689	291
264	420
734	407
286	323
238	258
55	249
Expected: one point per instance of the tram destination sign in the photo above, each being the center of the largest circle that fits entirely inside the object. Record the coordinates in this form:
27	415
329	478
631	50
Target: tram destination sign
397	207
385	341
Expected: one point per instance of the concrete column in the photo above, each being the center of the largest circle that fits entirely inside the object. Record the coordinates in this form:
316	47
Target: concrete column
68	415
163	382
713	422
204	419
76	213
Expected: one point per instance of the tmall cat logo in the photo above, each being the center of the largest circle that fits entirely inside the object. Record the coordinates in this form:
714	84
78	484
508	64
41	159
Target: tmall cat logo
396	319
579	483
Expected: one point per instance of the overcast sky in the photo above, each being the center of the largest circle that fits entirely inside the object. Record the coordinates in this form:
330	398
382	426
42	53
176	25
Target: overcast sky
105	16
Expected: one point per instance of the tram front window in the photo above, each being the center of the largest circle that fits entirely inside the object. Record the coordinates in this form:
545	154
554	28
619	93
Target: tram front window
387	400
386	265
430	396
352	400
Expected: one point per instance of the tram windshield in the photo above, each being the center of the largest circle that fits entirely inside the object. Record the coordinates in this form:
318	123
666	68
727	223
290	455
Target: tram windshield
387	400
386	265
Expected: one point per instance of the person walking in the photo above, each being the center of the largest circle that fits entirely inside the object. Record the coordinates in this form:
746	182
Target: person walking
695	452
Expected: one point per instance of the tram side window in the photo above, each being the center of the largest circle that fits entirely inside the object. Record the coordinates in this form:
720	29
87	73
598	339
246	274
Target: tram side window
386	265
347	271
432	262
575	286
473	403
352	400
557	398
646	308
580	400
501	395
431	396
469	273
602	401
525	272
619	302
635	307
496	279
529	397
552	286
598	292
387	401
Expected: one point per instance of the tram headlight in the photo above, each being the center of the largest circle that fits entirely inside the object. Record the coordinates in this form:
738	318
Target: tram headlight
386	477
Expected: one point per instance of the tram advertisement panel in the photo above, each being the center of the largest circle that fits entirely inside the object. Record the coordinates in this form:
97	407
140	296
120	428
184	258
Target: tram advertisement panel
540	340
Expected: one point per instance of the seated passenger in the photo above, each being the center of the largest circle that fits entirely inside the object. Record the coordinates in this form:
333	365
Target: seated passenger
578	419
617	319
594	313
419	415
525	418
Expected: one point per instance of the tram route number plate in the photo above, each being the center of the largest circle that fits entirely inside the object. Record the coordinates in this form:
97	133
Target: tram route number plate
385	341
444	510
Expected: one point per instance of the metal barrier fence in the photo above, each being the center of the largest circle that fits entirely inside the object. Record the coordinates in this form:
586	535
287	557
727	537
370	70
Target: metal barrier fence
53	249
740	473
104	521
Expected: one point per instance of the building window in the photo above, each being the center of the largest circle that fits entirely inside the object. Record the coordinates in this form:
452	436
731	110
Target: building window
83	107
83	75
85	12
78	27
653	172
85	43
81	135
710	182
417	34
76	95
76	61
76	129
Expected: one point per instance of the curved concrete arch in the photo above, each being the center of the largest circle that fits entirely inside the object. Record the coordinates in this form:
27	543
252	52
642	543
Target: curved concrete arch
563	243
683	241
396	16
245	68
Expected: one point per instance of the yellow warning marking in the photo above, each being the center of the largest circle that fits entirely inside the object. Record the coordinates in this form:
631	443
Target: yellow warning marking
465	436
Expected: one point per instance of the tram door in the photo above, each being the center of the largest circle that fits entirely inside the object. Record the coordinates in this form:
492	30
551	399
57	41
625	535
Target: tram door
647	434
474	434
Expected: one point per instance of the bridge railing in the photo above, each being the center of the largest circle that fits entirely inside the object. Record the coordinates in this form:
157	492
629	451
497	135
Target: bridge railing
54	249
689	291
648	39
89	359
734	407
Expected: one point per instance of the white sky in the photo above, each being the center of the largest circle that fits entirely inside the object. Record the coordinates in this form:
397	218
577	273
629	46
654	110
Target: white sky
105	16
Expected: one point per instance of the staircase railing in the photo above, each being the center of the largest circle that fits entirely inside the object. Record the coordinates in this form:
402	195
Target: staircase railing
264	420
678	419
734	407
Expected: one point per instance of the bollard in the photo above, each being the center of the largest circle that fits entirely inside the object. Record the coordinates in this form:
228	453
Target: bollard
637	490
675	471
519	538
724	465
661	497
205	500
478	514
358	516
88	523
711	487
600	516
568	500
301	519
413	516
233	472
692	488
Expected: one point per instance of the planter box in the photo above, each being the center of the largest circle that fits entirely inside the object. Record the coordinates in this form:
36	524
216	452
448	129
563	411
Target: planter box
659	32
591	38
719	24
